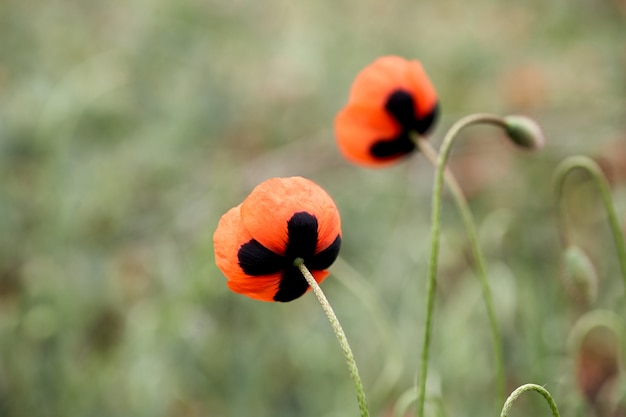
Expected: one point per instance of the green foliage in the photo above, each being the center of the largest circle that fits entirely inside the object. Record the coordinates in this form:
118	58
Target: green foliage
127	129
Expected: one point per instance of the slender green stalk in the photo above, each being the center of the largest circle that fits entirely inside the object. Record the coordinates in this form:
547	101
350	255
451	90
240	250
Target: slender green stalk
588	165
341	336
468	221
444	154
529	387
366	293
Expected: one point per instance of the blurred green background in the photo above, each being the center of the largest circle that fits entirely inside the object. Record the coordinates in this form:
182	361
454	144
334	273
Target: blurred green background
128	128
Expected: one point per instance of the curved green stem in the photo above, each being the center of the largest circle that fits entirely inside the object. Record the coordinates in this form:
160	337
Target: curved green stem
468	221
529	387
341	336
589	165
408	398
363	290
434	254
595	319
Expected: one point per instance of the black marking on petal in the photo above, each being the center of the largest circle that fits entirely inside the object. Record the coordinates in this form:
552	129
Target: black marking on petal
292	285
399	146
401	106
255	259
302	233
424	124
326	257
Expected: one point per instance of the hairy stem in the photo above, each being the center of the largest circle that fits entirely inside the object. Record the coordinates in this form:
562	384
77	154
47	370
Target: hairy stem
444	154
470	227
529	387
366	293
341	336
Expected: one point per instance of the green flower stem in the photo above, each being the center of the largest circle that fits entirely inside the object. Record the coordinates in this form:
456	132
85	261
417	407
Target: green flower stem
444	154
468	221
341	336
587	164
529	387
364	291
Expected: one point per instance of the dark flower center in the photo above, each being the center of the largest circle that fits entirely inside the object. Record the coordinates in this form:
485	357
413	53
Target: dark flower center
302	235
401	106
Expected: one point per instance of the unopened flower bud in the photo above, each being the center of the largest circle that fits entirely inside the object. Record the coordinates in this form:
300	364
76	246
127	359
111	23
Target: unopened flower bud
579	276
596	341
524	131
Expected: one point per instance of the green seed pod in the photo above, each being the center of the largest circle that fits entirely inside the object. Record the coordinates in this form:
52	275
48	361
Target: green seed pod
579	276
524	131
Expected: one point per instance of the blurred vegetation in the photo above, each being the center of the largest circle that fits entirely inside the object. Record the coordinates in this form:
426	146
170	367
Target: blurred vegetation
127	129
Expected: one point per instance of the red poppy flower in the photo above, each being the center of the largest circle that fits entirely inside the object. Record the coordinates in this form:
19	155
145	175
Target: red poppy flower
389	100
282	219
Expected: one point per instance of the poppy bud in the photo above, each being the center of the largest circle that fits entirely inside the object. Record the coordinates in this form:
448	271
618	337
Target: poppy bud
579	276
524	131
597	341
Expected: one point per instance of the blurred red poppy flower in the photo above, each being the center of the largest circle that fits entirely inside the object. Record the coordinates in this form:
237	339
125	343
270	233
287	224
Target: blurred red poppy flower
390	99
257	242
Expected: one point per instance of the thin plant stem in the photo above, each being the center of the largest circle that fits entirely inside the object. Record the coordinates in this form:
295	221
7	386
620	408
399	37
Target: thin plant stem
363	290
590	166
468	220
529	387
444	154
341	336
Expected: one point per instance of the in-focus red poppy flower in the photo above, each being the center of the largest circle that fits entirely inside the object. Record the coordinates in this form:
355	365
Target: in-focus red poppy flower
390	99
257	242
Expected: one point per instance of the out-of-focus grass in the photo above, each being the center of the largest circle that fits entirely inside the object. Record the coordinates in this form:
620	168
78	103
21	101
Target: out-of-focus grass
127	129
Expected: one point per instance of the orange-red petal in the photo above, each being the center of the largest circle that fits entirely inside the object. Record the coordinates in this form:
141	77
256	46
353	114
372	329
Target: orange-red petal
376	82
261	288
264	288
358	128
227	239
423	90
268	208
